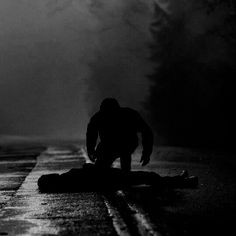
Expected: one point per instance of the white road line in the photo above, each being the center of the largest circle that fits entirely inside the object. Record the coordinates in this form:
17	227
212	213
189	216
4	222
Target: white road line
27	204
117	221
143	222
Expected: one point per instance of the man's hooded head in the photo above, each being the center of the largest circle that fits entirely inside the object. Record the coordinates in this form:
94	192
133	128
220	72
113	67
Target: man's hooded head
109	106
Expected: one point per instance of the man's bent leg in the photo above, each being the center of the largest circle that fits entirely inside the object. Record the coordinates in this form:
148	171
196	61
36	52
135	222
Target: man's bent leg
125	162
125	156
104	156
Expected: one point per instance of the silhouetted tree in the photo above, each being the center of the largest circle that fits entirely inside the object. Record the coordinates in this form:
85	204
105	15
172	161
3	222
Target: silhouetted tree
192	93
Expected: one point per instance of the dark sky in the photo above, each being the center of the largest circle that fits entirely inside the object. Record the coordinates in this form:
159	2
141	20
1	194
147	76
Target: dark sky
193	97
59	58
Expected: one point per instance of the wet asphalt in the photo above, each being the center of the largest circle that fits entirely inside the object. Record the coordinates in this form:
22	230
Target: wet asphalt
29	212
207	210
16	162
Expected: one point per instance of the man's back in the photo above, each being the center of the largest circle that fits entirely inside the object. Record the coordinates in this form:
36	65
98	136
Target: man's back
120	127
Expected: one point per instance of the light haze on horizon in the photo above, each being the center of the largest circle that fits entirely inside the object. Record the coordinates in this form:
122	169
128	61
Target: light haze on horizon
60	58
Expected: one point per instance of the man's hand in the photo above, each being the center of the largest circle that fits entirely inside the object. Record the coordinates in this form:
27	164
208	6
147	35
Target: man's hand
145	160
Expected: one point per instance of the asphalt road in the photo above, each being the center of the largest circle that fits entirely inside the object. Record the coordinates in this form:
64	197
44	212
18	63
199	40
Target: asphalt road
16	161
29	212
208	210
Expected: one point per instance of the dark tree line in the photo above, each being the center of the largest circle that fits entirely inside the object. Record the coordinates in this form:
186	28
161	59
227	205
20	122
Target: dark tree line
192	94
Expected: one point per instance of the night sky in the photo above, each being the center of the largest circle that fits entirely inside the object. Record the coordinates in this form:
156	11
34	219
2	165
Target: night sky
192	95
60	58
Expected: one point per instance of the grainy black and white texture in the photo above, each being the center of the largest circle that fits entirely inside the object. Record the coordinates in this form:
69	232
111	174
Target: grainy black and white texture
172	60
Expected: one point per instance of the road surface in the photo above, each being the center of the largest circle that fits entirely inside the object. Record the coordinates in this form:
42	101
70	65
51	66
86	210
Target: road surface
210	209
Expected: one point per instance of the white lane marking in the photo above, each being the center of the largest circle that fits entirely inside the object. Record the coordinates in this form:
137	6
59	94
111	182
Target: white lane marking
17	162
143	222
28	204
117	221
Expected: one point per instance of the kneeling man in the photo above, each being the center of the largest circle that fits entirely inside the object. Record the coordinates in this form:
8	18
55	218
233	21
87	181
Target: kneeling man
117	128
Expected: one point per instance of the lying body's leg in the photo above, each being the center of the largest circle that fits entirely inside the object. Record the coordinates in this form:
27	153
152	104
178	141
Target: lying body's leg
180	182
153	179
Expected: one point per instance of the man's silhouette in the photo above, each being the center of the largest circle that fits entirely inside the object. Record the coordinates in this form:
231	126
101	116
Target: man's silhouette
117	128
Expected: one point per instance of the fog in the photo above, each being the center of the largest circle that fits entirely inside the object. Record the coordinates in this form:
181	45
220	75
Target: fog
60	58
173	62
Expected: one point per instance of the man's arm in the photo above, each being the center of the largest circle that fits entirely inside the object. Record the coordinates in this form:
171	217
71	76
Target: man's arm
91	137
147	140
